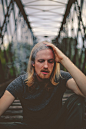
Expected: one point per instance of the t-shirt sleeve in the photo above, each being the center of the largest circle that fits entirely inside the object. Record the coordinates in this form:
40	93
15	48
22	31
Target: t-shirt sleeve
66	75
15	87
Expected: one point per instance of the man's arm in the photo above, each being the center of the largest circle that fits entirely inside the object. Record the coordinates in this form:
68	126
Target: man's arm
71	84
79	79
78	83
6	101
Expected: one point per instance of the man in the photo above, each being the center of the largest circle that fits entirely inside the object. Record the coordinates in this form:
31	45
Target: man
40	91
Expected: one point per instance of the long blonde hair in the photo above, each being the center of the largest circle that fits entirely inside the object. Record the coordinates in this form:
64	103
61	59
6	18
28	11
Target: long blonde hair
31	71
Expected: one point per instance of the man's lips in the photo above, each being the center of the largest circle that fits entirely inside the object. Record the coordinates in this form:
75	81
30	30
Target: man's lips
45	72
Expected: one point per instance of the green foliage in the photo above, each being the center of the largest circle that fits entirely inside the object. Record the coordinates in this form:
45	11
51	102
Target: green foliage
7	58
2	57
11	71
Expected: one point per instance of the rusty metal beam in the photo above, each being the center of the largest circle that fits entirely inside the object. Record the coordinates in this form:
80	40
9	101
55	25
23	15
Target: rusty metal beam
21	8
70	2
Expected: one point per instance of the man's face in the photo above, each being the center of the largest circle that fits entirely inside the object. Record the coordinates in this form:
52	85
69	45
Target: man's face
44	64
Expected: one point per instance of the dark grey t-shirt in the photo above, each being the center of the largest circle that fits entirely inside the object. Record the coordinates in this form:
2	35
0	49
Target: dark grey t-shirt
39	107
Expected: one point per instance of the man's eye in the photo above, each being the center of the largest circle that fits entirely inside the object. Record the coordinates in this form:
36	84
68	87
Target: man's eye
50	61
41	61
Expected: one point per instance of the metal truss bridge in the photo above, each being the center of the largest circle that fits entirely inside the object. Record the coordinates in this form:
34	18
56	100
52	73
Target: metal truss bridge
23	23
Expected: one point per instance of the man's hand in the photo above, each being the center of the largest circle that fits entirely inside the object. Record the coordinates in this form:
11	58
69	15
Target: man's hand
58	54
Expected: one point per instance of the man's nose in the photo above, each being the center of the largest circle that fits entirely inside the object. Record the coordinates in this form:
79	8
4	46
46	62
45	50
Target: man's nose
45	64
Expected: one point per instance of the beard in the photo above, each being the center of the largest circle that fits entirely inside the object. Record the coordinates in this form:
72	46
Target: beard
42	78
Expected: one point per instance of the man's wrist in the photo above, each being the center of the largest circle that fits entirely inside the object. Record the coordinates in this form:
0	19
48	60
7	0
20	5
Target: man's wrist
64	60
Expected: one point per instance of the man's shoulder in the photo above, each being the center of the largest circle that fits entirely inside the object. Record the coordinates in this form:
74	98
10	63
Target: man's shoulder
24	76
65	75
20	79
63	72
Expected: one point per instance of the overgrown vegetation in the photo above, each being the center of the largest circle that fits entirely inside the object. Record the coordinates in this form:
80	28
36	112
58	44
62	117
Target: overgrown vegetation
13	60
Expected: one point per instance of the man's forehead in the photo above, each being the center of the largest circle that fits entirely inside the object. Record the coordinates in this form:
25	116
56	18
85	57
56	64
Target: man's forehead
45	53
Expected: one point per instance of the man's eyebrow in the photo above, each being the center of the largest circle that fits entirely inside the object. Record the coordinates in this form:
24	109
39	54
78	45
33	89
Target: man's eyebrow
51	59
41	59
45	59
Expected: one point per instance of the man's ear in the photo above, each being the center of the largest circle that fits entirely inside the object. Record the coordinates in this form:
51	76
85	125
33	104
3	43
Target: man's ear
33	65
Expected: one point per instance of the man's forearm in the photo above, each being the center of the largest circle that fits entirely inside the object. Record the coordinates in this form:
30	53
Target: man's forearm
77	75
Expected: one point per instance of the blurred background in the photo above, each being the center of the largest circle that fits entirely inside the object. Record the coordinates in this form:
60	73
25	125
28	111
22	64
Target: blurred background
23	23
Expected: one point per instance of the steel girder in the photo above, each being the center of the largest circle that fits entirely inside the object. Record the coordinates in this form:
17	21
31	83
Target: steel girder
6	20
20	6
70	2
